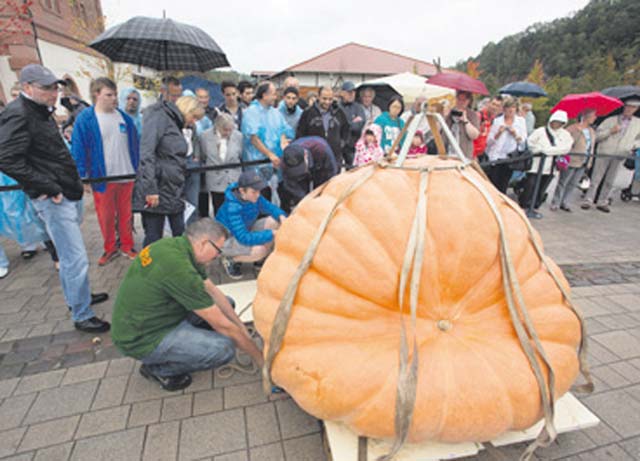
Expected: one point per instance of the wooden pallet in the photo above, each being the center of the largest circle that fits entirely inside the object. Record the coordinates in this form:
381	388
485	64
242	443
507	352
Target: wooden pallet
571	415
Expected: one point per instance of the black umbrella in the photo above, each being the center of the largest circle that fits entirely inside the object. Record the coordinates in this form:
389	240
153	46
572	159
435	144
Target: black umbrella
527	89
161	44
384	93
622	92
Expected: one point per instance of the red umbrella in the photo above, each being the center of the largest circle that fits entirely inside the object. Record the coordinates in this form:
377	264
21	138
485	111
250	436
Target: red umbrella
459	81
573	104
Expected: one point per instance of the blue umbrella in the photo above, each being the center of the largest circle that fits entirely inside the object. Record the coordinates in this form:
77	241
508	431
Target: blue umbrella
527	89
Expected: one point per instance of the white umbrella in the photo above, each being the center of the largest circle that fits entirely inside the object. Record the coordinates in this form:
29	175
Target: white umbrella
409	86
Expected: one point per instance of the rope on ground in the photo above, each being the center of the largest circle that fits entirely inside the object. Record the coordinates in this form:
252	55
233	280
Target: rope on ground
244	364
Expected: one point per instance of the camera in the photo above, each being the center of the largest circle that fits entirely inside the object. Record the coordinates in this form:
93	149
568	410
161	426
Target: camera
456	113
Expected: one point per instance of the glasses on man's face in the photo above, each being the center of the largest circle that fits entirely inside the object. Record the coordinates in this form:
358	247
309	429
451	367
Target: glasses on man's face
52	87
215	246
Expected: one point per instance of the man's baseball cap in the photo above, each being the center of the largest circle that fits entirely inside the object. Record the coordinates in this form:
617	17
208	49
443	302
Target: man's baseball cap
251	179
35	73
348	86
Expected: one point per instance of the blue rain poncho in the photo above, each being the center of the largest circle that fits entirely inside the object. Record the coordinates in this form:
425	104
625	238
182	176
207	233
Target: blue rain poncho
18	219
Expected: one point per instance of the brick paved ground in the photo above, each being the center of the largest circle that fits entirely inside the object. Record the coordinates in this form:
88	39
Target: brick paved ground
62	396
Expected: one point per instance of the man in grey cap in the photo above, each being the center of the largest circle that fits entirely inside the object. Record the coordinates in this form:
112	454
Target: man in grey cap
33	152
356	116
616	135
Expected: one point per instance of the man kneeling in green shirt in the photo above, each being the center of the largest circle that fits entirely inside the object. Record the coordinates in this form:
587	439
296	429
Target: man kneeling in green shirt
166	307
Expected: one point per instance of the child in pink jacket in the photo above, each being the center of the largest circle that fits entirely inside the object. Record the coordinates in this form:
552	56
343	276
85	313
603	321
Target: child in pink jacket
368	146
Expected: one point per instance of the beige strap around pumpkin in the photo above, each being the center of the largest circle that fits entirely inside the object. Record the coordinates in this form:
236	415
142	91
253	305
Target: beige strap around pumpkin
283	313
525	332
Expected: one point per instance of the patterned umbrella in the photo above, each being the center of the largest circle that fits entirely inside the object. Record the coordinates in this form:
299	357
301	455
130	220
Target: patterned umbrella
161	44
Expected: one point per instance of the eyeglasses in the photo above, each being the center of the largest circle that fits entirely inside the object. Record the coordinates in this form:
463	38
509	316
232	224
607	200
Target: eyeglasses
215	246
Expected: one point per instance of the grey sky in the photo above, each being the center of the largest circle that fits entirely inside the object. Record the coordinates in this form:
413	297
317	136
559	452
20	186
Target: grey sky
274	34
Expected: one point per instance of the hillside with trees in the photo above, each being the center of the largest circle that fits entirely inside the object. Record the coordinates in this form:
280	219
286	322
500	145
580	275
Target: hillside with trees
597	47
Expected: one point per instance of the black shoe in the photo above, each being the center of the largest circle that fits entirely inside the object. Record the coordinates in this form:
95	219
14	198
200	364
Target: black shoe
565	208
93	325
232	268
169	383
97	298
28	254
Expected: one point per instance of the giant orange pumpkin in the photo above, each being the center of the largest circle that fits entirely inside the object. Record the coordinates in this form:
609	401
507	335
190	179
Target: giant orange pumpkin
339	357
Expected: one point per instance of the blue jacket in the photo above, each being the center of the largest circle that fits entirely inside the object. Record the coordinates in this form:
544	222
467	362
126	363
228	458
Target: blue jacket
86	146
239	215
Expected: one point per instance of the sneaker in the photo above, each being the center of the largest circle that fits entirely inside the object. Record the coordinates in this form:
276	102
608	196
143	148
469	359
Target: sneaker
92	325
131	254
4	271
585	205
565	208
107	257
168	383
232	268
604	208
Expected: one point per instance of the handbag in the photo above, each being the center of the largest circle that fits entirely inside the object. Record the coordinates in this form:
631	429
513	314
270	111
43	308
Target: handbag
519	163
630	164
562	162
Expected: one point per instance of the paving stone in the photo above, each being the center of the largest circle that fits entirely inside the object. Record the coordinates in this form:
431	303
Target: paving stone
53	352
162	442
21	356
16	333
121	366
39	366
610	377
236	456
630	302
202	380
207	402
602	434
177	407
244	395
68	337
41	330
293	421
39	382
144	413
55	453
13	410
632	446
235	379
62	401
599	355
22	457
567	444
49	433
85	373
198	440
609	453
110	392
120	446
77	358
10	440
308	448
140	389
272	452
7	386
618	409
621	343
630	373
11	371
38	342
100	422
262	424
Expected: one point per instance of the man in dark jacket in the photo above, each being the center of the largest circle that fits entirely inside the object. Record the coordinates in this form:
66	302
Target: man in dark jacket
158	192
307	163
355	115
33	152
327	120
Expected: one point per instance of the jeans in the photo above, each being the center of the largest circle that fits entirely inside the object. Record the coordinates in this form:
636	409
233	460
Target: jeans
153	225
192	188
567	183
63	226
188	348
4	262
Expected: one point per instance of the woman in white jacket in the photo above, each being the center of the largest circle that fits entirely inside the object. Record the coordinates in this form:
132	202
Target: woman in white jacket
552	140
508	133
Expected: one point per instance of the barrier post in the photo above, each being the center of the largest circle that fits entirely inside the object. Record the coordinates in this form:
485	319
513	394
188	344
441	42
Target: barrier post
531	213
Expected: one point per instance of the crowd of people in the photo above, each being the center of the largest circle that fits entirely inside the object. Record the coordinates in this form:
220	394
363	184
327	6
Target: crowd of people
269	148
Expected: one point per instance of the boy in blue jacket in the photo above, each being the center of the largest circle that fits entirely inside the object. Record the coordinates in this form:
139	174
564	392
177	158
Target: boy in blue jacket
251	238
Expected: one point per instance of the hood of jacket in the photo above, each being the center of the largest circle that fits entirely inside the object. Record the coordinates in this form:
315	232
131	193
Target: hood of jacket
558	116
122	100
377	132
